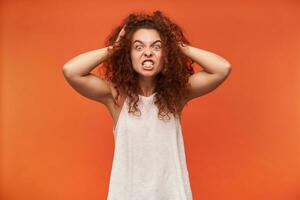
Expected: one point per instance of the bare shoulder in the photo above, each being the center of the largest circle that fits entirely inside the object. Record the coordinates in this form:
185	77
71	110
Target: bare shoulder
112	104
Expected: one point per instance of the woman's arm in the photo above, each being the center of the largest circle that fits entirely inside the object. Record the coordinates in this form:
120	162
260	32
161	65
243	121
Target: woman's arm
77	72
84	63
211	62
216	70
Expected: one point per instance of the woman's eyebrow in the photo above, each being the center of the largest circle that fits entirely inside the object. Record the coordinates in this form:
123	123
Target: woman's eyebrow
143	43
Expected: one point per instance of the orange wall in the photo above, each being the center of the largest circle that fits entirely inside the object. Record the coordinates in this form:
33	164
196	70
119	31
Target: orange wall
242	140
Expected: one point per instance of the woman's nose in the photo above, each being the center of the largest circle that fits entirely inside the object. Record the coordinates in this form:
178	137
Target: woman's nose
148	52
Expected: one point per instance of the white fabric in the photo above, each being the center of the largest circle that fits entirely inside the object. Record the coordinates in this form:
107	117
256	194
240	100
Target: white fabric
149	157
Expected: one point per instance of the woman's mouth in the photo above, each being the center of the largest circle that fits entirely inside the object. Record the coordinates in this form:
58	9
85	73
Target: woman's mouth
148	65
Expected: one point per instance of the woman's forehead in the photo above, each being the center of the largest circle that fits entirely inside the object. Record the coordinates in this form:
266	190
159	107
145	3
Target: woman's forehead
146	36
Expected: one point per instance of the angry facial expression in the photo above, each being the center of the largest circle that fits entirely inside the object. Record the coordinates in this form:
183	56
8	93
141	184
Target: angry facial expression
146	52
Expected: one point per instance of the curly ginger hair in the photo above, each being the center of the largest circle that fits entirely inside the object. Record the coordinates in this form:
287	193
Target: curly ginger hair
171	83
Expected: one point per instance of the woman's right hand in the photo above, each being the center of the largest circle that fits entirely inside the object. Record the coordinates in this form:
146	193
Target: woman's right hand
121	33
116	43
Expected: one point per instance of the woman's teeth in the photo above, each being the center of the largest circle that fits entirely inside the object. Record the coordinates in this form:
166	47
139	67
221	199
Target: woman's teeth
148	65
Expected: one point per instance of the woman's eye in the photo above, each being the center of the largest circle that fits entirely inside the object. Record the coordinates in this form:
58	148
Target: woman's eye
139	47
157	47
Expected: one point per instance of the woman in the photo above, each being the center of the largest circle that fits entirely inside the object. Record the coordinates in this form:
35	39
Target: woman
148	80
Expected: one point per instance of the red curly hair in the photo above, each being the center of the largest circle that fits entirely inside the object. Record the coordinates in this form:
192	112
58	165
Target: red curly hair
171	83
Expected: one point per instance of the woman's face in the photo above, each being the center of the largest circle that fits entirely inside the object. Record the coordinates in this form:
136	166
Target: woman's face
146	45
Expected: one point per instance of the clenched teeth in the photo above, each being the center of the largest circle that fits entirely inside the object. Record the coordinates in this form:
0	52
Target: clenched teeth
148	63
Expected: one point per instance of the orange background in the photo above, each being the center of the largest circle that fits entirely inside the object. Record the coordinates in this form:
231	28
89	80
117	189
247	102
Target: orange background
241	140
